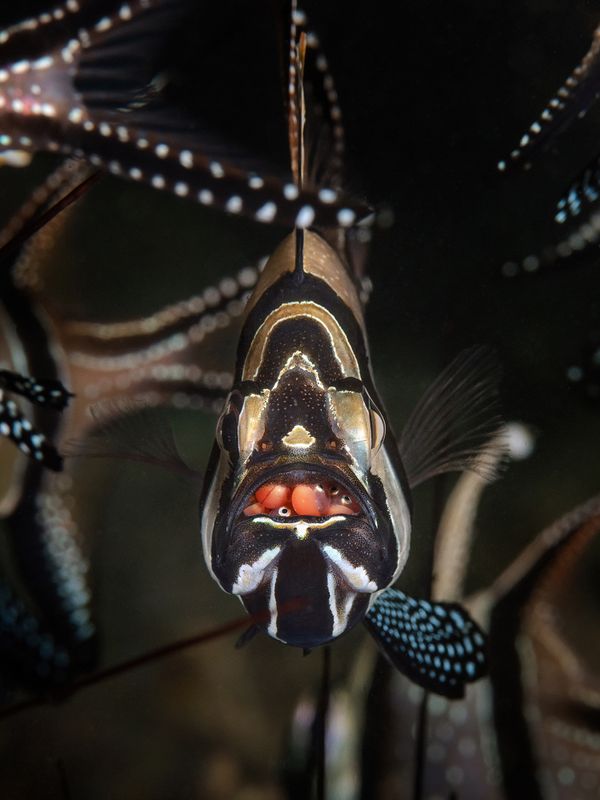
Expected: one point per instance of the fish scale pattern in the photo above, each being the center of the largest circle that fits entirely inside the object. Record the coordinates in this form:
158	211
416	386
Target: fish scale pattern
437	645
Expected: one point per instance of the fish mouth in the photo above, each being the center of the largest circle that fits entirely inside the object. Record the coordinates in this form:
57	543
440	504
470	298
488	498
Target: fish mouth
302	491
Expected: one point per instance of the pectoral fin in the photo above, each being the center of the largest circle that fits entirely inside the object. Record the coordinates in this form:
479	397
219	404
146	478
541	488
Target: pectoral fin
452	426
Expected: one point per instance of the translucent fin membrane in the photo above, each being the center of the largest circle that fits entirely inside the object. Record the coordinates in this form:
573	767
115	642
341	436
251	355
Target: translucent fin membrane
572	100
437	645
131	434
455	419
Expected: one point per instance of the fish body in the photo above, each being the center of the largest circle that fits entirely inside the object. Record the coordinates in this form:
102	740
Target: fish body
304	415
306	510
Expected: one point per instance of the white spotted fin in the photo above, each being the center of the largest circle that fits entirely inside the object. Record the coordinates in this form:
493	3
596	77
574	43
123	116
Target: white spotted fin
454	421
315	126
436	645
85	79
571	102
46	393
15	426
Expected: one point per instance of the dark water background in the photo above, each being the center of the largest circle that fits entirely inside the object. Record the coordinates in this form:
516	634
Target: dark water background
431	103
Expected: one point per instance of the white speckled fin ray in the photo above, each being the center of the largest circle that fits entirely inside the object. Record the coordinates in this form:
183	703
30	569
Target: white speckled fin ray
454	420
296	111
314	114
571	102
227	298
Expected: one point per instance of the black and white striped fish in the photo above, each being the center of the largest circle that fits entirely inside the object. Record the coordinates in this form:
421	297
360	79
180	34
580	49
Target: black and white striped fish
80	79
306	511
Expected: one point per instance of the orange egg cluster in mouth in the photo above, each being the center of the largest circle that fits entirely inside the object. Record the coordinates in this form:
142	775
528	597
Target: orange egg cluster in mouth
323	499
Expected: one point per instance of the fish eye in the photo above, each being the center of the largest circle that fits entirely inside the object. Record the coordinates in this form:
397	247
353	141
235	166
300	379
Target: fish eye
334	490
345	500
284	511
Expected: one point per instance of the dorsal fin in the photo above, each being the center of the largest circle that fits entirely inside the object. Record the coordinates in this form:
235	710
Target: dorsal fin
315	129
296	102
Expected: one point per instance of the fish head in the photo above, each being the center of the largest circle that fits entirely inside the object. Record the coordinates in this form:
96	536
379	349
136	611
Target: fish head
297	520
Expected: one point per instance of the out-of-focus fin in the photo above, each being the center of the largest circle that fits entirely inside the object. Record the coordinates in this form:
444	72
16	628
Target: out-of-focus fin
118	63
47	550
571	250
102	65
31	657
48	393
583	194
436	645
456	529
15	426
229	295
455	420
296	107
172	154
571	102
123	431
38	34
